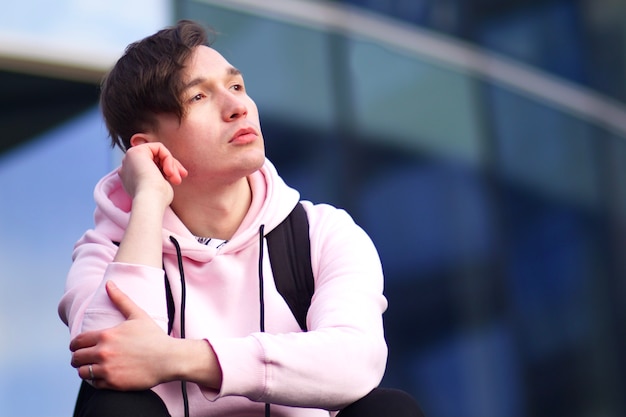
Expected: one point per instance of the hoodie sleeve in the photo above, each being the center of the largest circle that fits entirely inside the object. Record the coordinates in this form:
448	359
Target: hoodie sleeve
85	304
343	355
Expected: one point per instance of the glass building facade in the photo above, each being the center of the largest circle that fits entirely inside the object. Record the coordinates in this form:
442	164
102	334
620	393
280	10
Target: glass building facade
482	146
496	204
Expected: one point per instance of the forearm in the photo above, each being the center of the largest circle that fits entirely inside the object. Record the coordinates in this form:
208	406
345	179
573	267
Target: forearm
86	306
142	241
148	172
320	369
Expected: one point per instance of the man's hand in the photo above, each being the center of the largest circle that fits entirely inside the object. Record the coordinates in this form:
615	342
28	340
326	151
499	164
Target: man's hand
130	356
137	354
151	167
148	174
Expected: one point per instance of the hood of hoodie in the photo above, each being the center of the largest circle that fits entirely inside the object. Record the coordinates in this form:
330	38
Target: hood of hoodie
272	201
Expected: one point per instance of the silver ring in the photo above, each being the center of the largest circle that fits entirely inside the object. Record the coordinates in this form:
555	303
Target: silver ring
91	373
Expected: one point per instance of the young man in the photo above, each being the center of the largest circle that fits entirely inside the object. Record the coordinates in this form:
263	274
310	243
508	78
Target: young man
193	199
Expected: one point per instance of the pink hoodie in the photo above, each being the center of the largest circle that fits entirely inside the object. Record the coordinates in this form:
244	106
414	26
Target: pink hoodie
340	359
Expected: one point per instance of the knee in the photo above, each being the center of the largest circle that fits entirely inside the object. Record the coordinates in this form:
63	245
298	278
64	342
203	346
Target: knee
108	403
384	402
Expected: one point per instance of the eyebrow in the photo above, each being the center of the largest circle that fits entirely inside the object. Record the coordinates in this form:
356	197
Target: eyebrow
231	71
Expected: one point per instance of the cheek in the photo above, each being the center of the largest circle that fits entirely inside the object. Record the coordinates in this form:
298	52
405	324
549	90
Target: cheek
252	108
192	136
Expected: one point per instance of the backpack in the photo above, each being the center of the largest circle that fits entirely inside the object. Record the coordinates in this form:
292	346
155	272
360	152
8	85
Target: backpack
289	250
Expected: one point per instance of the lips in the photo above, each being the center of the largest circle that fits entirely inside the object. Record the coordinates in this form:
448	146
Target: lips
243	136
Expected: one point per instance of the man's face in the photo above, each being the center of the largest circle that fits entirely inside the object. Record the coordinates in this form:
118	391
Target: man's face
219	136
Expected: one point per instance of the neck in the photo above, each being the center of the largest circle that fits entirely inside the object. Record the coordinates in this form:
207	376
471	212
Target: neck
215	211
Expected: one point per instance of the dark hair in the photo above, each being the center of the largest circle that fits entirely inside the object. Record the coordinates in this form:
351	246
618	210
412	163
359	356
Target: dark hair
146	81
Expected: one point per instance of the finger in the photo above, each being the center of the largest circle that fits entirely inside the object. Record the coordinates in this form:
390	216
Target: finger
84	340
173	170
169	166
84	357
181	172
124	304
88	372
169	170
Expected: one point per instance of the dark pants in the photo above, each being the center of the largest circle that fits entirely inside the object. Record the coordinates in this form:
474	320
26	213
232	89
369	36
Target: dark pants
106	403
93	402
383	402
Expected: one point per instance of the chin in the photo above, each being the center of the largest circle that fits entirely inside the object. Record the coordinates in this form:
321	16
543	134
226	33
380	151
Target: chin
252	163
258	159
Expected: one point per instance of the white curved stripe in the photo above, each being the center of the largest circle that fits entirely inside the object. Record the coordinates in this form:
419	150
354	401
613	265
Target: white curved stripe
41	56
430	45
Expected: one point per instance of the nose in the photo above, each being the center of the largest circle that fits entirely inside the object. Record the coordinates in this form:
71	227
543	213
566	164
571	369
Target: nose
234	106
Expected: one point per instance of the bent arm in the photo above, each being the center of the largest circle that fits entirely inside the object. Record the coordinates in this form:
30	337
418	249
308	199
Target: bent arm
121	334
343	355
147	172
136	264
137	354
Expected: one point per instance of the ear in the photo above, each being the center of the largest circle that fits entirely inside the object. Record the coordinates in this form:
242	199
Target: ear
141	138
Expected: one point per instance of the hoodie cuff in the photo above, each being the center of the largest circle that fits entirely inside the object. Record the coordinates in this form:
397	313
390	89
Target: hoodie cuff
244	372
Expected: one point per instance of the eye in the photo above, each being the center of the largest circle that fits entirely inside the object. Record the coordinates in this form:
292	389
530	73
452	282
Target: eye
197	97
237	87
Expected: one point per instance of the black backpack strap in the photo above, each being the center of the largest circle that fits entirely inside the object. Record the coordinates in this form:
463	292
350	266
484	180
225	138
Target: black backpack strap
169	299
289	250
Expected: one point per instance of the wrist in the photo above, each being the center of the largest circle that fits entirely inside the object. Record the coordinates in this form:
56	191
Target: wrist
142	241
195	360
151	199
